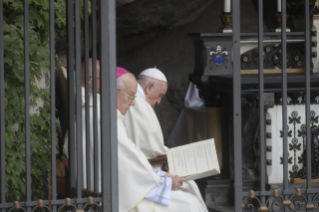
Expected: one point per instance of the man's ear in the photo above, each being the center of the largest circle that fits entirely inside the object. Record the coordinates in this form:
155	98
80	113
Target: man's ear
149	87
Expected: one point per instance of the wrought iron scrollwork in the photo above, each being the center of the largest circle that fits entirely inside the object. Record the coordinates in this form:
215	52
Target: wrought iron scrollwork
13	208
17	207
92	207
250	205
68	205
315	200
41	206
44	206
297	203
275	203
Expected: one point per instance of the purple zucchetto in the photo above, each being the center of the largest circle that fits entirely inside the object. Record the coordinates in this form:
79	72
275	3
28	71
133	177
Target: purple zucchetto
120	71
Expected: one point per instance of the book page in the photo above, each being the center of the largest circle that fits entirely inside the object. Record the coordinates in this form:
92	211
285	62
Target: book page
193	158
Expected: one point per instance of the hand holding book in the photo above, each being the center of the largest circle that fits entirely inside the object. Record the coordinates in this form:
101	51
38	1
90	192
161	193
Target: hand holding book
194	161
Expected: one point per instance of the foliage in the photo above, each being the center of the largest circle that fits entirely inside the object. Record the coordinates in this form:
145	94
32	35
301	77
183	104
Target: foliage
14	93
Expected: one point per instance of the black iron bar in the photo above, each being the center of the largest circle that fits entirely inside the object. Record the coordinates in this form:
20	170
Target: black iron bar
237	105
52	93
78	77
95	124
284	98
50	202
2	123
307	111
71	130
87	99
108	106
261	100
27	101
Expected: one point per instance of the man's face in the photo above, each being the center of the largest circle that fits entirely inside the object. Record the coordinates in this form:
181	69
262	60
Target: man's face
155	93
126	97
91	75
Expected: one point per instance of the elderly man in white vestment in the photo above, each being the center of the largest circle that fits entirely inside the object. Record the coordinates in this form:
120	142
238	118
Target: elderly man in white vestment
141	121
142	124
141	189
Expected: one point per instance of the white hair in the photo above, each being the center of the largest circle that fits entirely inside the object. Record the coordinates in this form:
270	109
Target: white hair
122	80
120	83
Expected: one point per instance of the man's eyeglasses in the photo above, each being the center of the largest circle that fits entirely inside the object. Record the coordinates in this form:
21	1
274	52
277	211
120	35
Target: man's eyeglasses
131	98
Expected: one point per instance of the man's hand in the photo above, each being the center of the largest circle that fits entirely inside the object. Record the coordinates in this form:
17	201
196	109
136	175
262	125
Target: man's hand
170	175
176	181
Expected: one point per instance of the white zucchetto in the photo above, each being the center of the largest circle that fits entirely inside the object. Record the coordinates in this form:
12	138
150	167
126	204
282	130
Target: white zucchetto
154	73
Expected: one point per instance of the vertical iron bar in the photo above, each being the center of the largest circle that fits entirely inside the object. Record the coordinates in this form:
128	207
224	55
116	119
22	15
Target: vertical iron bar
27	101
87	97
2	124
307	85
70	58
95	124
108	106
52	93
261	100
237	105
284	98
79	137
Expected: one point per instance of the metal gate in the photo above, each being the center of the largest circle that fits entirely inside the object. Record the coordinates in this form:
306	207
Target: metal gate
263	200
103	33
270	200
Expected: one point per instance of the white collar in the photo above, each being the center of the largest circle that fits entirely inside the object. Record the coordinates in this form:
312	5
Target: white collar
140	91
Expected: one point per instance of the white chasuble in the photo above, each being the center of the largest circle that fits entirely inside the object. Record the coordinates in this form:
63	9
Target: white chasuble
136	175
137	178
144	129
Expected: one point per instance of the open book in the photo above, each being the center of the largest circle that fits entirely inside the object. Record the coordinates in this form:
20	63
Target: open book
193	161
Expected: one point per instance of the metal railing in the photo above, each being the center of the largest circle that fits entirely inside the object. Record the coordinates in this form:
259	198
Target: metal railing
109	198
106	29
267	200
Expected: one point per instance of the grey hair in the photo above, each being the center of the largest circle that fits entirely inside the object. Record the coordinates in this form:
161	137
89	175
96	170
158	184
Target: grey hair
144	80
120	83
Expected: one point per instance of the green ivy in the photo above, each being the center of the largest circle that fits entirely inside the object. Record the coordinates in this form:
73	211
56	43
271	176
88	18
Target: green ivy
40	135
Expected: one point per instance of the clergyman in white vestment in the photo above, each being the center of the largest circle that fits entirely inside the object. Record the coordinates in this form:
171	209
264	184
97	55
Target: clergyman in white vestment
65	146
141	189
143	126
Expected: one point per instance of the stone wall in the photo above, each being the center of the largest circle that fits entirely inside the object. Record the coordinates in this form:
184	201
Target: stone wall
172	52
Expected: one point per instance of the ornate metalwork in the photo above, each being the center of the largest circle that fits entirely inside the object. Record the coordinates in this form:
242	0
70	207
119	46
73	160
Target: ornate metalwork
92	207
70	206
251	203
275	203
44	206
314	155
315	200
273	57
297	204
13	208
